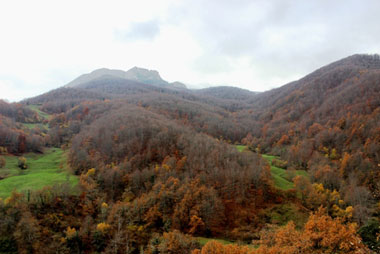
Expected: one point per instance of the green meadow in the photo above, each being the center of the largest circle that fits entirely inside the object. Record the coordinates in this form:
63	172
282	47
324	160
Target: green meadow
45	169
42	115
241	148
280	176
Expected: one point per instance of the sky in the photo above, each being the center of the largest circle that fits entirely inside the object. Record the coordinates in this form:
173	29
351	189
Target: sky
253	44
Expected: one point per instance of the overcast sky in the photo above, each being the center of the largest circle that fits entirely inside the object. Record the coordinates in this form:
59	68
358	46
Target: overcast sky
257	45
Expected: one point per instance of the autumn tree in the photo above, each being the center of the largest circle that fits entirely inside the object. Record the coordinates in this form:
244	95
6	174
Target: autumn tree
27	234
2	162
321	234
215	247
173	243
21	143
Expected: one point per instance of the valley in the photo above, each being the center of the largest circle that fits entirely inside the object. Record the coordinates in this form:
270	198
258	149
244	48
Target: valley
126	162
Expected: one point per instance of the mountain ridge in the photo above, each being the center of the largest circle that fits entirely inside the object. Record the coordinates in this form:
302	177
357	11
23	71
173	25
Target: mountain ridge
142	75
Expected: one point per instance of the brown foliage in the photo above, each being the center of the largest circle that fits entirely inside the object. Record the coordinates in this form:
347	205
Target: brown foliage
215	247
176	243
321	234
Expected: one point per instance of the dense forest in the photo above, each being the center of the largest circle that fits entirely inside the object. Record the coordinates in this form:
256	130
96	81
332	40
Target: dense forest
160	171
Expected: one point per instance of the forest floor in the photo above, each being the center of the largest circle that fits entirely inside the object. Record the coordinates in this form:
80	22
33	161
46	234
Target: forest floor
45	169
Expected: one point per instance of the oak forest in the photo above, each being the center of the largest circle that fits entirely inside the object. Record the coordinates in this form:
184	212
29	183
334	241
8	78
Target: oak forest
126	162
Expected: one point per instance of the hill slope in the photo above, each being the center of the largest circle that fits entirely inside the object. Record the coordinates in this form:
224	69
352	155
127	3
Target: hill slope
155	162
327	122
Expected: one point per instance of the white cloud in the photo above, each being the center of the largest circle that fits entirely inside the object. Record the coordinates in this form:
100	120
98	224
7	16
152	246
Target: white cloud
146	30
254	44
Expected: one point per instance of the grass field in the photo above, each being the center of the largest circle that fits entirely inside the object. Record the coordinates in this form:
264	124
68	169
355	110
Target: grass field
241	148
43	170
34	125
43	116
279	175
204	240
39	112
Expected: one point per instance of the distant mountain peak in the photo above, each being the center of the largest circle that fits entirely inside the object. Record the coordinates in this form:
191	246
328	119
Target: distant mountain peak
142	75
177	84
363	61
366	60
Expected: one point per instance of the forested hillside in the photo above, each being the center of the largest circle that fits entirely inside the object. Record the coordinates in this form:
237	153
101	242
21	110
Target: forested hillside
165	169
329	124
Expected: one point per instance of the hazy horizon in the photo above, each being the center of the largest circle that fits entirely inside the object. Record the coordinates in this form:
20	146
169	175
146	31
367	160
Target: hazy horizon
254	45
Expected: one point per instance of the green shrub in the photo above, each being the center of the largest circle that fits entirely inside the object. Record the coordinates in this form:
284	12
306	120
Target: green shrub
370	234
22	163
279	163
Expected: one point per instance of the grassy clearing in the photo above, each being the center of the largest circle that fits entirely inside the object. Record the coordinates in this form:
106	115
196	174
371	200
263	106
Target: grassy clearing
281	214
204	240
42	114
241	148
43	170
280	175
31	126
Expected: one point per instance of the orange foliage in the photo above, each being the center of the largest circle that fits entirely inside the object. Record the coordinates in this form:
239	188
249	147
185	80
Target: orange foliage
343	165
215	247
284	140
322	234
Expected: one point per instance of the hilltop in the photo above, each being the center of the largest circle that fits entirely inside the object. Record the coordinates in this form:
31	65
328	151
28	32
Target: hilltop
141	75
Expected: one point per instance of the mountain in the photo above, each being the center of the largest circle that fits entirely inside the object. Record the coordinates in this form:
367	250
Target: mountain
141	75
326	123
145	76
157	163
62	99
328	89
178	85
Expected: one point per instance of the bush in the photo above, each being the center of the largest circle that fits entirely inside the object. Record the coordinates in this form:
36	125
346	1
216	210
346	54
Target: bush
173	243
3	150
3	162
22	163
369	234
8	244
280	163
